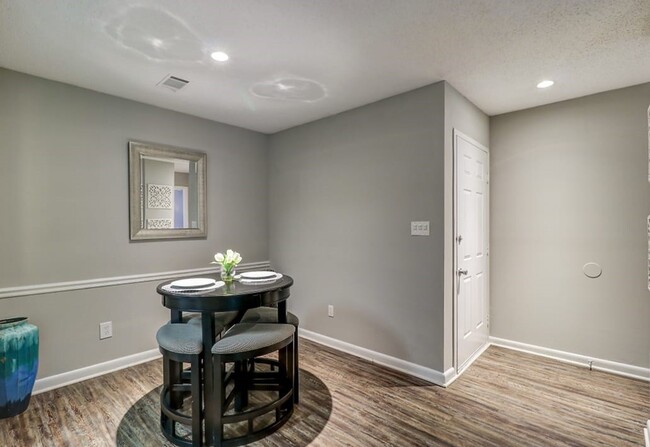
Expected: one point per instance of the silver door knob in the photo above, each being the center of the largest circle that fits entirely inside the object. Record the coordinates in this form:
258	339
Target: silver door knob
462	272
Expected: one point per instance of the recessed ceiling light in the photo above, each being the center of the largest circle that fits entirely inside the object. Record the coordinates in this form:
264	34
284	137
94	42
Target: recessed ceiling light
545	84
289	89
220	56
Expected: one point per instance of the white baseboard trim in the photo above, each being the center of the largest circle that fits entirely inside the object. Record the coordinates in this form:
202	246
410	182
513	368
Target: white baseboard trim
39	289
430	375
621	369
422	372
88	372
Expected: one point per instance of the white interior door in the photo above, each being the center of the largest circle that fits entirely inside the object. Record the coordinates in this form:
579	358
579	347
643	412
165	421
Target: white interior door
472	238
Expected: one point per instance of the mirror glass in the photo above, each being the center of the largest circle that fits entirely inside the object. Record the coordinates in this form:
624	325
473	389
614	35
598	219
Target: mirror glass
167	192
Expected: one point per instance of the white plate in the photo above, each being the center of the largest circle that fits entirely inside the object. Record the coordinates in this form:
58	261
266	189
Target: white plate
193	283
258	275
273	278
216	285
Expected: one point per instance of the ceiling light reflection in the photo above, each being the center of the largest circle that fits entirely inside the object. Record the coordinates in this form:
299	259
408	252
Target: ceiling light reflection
220	56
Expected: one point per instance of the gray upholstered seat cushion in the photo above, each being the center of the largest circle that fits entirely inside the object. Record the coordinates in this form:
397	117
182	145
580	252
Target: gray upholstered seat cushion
221	319
244	337
180	338
189	316
267	315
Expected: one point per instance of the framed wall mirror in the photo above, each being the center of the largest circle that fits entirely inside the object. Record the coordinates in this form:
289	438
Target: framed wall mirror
167	192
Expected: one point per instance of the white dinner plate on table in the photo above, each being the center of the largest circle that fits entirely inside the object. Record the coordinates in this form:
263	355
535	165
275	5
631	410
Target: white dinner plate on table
216	285
268	279
260	275
193	283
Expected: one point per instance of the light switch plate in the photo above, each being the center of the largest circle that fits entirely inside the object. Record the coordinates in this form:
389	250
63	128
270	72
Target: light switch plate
420	228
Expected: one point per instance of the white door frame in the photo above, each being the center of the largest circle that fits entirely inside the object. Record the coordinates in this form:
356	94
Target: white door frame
185	191
456	134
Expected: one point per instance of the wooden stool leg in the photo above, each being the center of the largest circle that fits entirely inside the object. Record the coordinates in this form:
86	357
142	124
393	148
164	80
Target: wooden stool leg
290	368
165	422
241	385
219	397
175	376
197	410
296	370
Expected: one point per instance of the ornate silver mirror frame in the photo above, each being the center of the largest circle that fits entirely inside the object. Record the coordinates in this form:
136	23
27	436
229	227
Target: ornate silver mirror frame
155	173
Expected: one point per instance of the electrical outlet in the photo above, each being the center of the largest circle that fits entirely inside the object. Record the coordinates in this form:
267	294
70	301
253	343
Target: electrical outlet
330	311
105	330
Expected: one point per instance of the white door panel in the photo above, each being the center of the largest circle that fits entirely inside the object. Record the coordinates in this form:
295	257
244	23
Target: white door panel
467	316
471	248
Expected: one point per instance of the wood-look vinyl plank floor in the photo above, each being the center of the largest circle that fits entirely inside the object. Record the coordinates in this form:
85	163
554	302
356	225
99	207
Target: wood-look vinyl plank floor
506	398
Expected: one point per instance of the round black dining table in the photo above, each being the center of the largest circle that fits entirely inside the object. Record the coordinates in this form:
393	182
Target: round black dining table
236	296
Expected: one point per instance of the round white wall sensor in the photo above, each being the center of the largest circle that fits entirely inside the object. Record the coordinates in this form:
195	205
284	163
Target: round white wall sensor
592	270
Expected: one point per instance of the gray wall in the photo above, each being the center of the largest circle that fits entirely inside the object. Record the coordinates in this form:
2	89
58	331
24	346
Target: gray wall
343	191
569	186
63	157
335	198
462	115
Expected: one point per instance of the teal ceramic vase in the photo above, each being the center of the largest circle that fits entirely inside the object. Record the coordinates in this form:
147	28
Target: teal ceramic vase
18	365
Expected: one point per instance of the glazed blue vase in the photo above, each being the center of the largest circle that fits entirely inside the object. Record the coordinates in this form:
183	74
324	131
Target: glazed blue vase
18	365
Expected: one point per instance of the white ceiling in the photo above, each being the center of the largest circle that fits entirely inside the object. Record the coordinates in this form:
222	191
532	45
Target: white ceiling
294	61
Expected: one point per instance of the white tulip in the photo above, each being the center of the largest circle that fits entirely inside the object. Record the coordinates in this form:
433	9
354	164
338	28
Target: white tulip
229	260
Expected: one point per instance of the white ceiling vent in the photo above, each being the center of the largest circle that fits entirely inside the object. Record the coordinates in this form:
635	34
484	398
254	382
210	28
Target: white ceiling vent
173	83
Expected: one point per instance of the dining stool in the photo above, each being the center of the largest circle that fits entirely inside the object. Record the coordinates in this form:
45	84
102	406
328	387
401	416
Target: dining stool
243	342
270	315
222	320
181	343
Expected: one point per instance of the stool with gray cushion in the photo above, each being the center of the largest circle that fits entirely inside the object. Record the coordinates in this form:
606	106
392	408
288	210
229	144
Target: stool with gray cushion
270	315
221	321
181	343
241	343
